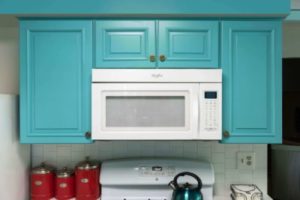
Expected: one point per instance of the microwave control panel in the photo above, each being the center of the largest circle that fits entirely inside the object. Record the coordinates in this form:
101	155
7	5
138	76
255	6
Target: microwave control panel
210	111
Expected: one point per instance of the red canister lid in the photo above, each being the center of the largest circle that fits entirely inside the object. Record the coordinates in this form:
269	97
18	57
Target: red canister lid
87	164
64	173
43	169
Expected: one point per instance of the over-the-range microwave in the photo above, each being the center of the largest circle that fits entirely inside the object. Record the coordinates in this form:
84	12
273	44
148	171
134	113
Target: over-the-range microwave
156	104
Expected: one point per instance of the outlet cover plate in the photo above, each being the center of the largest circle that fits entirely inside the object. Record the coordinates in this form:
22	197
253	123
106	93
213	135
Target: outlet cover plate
246	160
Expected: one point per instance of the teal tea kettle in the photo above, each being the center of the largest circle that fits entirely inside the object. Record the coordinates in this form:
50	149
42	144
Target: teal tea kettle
186	191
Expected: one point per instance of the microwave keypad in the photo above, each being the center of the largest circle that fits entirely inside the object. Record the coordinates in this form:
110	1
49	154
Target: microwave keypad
211	109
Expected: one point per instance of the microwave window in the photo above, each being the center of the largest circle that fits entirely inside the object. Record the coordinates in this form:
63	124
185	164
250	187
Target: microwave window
145	111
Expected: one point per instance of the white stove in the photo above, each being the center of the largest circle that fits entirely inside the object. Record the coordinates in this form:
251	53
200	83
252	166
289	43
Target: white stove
148	179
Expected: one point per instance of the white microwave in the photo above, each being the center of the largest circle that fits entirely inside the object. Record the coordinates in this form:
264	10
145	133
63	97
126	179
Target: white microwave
156	104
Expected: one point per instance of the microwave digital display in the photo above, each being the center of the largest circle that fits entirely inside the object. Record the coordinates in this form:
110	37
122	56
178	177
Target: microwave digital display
210	95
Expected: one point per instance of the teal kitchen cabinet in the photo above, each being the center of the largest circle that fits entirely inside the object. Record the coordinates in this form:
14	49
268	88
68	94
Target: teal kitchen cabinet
125	44
157	43
252	94
192	44
55	71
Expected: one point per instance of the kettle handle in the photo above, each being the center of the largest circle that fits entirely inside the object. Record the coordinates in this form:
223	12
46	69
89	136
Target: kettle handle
189	174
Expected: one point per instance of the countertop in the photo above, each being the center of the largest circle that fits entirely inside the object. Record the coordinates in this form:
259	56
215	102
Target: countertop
266	197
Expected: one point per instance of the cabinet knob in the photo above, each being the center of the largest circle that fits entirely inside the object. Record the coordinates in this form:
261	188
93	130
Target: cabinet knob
152	58
88	135
226	134
162	58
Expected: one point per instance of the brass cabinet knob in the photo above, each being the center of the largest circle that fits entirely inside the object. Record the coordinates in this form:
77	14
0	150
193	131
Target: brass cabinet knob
88	135
162	58
226	134
152	58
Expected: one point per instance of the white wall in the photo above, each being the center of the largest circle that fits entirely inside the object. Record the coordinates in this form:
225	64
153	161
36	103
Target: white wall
295	4
9	59
14	157
291	40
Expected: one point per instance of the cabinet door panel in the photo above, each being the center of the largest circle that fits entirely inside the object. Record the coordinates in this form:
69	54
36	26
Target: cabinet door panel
192	44
55	81
125	44
251	62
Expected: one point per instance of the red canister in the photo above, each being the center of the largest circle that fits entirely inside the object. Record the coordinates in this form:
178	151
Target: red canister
65	184
42	182
87	180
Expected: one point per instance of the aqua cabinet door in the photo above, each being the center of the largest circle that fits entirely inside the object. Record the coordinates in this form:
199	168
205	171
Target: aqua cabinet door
252	94
188	43
125	44
55	71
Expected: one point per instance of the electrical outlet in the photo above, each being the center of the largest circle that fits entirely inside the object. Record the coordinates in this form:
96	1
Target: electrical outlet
246	160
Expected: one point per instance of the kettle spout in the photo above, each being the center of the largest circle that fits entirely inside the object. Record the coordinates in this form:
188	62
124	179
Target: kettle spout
172	185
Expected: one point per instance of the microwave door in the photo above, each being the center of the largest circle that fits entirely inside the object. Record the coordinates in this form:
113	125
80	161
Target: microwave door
133	111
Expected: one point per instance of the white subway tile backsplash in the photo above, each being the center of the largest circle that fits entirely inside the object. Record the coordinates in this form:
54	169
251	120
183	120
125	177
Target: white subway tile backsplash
63	145
232	176
91	151
77	147
162	149
219	177
37	160
106	155
218	158
133	149
118	149
217	147
176	149
205	143
37	150
219	168
261	183
77	155
219	189
255	146
231	151
230	163
246	176
65	161
190	147
246	147
222	156
260	174
49	147
204	153
64	151
105	145
260	156
50	157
